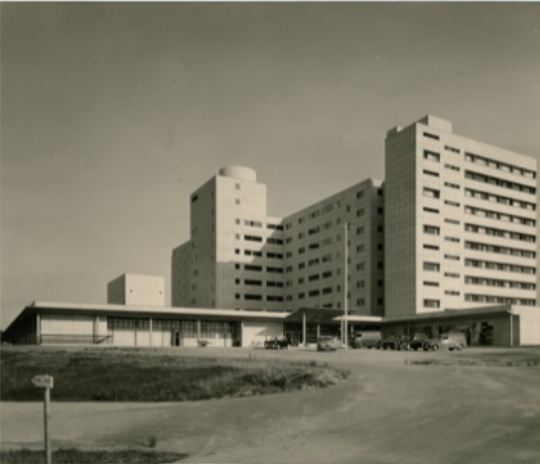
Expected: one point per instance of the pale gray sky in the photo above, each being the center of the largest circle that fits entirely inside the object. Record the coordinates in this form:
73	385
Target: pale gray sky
113	113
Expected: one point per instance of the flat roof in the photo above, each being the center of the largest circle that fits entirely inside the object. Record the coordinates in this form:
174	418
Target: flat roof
157	310
326	315
453	313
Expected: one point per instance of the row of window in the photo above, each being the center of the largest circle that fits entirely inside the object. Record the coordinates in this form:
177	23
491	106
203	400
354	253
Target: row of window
482	160
258	297
500	266
188	328
258	268
499	233
326	209
259	283
259	254
499	299
499	182
499	249
499	283
259	239
478	194
500	216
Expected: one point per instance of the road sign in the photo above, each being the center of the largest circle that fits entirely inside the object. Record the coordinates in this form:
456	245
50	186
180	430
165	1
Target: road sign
45	381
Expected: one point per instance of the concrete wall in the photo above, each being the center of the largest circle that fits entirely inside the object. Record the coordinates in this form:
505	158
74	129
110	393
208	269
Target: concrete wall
255	333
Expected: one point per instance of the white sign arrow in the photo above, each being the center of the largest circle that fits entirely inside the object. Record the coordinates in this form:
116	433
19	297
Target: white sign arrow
45	381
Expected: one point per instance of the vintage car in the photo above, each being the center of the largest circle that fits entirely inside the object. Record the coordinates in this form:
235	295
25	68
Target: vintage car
328	343
277	343
451	340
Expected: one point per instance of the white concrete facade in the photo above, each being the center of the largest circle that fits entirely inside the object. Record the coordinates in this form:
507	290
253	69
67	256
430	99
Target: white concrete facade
315	252
460	222
238	257
132	289
234	258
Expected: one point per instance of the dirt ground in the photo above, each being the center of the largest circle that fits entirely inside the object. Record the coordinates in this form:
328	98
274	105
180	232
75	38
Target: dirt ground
389	412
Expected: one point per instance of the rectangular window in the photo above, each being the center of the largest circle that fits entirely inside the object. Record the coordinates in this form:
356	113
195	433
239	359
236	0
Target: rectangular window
251	296
249	223
451	203
432	303
431	210
432	230
360	212
274	241
452	185
253	282
252	238
452	239
430	247
431	284
431	156
451	274
431	173
452	167
252	267
277	270
431	136
431	193
452	257
452	149
451	221
431	266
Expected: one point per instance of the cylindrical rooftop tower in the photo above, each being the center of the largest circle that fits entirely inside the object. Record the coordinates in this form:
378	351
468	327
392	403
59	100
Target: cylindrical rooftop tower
239	172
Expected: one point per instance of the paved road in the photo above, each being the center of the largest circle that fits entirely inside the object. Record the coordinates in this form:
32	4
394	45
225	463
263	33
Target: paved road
389	412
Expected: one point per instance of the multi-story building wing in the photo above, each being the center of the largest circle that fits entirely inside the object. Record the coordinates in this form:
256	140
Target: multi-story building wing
234	258
315	252
132	289
460	222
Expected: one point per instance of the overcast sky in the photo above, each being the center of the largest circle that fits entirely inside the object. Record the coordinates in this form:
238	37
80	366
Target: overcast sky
113	113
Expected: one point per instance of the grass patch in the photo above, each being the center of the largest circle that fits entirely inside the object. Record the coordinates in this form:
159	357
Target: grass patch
113	374
511	358
75	456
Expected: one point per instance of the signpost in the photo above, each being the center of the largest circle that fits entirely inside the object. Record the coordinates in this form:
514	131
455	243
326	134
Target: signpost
46	382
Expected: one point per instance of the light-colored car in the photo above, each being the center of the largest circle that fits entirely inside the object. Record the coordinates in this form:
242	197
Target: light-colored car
328	343
452	341
367	339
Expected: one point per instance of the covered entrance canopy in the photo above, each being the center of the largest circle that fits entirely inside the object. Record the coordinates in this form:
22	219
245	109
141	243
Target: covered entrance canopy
328	317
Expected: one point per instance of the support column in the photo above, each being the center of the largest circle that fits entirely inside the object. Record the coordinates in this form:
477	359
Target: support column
38	329
198	329
511	331
304	331
150	331
318	331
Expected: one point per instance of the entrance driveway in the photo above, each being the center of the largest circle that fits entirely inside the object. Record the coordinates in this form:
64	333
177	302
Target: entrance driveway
388	412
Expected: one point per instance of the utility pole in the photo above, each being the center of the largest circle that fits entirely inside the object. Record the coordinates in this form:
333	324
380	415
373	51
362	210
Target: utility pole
346	285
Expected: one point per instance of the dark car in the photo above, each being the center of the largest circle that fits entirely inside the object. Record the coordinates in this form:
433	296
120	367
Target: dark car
392	342
418	341
277	343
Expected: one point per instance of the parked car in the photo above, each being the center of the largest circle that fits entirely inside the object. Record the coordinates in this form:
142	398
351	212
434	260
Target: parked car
452	341
277	343
392	342
418	341
367	339
328	343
